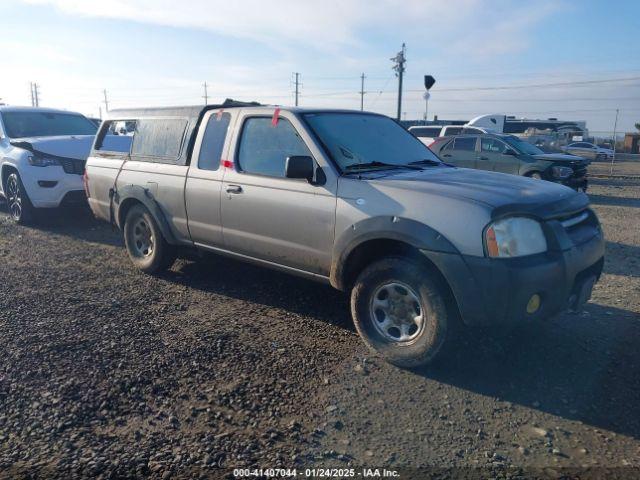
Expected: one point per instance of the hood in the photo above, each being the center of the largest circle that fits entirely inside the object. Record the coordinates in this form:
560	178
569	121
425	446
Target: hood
559	157
71	146
506	194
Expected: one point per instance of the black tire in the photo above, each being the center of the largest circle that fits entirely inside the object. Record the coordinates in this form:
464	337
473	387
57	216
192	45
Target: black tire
20	208
425	287
146	246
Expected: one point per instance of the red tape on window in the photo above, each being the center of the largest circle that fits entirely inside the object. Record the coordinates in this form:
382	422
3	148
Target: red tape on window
227	163
276	114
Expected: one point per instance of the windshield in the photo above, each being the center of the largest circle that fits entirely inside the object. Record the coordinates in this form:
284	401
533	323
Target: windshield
46	124
359	138
522	146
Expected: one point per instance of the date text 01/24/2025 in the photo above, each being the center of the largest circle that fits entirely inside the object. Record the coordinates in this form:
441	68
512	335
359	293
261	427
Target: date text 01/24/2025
316	473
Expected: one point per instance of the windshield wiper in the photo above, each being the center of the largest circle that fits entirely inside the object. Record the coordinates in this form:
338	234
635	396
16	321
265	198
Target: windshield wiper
427	161
376	164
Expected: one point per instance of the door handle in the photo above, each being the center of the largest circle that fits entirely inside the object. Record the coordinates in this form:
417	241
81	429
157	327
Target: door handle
234	189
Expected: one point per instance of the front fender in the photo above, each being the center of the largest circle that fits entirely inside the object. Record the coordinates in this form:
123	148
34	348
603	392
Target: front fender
144	196
405	230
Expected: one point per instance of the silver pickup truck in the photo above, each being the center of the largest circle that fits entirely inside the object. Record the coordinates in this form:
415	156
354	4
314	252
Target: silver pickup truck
353	200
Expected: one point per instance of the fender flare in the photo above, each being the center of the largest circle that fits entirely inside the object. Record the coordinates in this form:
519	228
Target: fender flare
145	197
405	230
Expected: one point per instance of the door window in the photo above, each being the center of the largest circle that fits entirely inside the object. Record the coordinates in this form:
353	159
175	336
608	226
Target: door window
264	147
492	145
213	142
467	144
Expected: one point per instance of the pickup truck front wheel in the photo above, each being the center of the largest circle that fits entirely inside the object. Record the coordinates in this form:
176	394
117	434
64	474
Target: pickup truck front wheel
147	248
399	310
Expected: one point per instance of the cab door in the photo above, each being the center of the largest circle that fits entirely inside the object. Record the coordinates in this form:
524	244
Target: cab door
203	189
494	155
267	216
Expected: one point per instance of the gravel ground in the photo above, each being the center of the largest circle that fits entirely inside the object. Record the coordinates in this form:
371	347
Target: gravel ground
217	364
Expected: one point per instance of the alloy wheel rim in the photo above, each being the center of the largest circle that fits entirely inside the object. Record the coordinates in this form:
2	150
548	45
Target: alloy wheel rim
143	240
396	312
14	197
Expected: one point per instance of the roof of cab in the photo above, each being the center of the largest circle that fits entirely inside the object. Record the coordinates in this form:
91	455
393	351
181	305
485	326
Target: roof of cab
196	111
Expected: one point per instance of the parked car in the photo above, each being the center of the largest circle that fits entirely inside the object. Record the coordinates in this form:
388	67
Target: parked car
428	134
353	200
589	150
42	157
509	154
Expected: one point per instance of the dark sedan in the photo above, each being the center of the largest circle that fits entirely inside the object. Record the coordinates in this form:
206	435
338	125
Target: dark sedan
509	154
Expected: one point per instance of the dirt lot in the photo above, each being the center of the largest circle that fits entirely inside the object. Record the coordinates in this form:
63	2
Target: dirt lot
216	364
621	167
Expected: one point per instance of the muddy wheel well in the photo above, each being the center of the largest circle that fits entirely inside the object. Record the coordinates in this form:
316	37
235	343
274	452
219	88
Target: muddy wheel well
373	250
124	208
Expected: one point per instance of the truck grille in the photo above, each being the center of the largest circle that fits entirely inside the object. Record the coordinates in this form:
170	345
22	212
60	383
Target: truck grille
581	226
73	166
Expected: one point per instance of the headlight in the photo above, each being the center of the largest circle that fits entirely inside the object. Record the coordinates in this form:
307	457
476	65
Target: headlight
40	161
561	172
515	237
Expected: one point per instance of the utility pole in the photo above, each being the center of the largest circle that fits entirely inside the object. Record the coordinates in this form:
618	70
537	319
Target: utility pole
400	60
106	101
615	128
34	95
205	96
362	77
297	82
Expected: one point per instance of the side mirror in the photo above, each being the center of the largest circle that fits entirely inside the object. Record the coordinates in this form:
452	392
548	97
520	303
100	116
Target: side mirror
300	166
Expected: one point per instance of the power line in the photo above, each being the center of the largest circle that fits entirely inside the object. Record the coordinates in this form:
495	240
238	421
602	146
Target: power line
106	101
536	85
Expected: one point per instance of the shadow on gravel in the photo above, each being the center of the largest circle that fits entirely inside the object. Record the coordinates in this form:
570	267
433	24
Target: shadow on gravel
260	285
581	367
622	259
614	201
76	221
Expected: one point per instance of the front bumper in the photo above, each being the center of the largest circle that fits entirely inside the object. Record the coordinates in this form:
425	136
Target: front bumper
492	291
57	184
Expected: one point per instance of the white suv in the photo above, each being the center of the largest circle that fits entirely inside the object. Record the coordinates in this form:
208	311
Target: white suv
42	157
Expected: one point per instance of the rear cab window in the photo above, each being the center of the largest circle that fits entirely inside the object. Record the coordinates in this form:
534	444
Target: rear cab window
213	141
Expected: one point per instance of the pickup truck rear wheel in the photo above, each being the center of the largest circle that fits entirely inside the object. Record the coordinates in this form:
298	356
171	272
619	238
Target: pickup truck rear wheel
18	203
147	248
399	310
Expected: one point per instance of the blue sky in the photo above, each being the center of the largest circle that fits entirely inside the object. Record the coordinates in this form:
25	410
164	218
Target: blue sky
159	52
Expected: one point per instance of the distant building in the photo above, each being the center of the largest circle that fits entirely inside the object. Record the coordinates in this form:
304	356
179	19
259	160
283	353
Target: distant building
632	142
